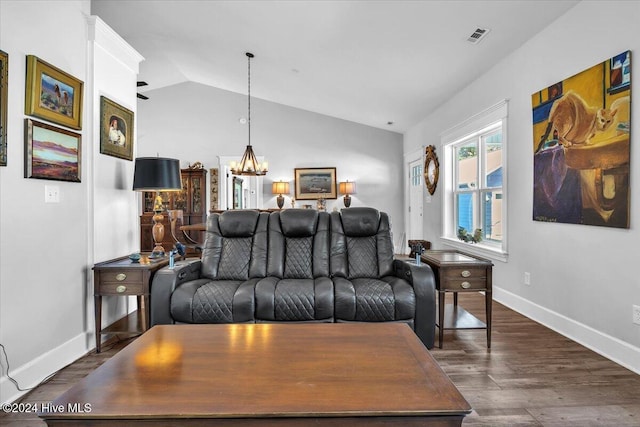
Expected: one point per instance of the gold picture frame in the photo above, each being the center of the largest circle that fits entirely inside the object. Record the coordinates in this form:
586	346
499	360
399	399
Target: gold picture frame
52	94
52	152
315	183
116	129
4	86
431	169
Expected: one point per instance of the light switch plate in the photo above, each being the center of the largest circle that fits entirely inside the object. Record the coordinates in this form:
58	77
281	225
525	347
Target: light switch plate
51	194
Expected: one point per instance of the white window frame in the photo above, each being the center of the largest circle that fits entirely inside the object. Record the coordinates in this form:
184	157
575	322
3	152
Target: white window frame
497	114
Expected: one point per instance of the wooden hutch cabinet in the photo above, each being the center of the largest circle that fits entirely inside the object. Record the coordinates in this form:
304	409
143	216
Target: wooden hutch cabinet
191	201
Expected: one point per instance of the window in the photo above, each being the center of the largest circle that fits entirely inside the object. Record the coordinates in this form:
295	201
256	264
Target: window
474	216
416	175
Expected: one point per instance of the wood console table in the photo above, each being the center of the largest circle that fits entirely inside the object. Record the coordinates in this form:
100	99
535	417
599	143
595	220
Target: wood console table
122	277
459	272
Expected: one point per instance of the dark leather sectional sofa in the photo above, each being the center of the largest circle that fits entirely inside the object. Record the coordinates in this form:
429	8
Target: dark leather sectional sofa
297	265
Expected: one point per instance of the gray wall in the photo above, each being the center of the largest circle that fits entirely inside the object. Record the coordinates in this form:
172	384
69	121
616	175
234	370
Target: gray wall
43	246
583	280
47	250
192	122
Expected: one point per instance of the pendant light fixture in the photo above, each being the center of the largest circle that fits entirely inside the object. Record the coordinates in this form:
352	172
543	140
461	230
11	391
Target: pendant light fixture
249	164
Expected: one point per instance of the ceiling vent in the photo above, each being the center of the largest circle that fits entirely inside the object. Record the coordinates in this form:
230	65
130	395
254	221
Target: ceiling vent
478	35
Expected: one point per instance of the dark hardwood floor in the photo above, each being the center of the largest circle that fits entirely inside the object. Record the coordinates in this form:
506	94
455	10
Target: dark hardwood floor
531	377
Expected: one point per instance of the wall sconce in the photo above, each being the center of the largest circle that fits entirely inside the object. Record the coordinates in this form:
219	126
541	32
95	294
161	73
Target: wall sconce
280	188
157	174
347	188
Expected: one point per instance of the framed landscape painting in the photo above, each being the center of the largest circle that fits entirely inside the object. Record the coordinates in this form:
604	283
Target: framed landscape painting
315	183
52	94
116	129
51	152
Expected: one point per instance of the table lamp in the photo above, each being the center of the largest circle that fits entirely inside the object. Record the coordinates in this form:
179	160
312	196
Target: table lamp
347	188
280	188
157	174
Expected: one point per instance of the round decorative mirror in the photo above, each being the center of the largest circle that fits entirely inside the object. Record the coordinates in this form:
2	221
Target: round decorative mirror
431	169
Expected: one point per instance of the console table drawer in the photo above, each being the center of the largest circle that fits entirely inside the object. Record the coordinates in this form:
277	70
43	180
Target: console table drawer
123	276
464	284
468	273
122	289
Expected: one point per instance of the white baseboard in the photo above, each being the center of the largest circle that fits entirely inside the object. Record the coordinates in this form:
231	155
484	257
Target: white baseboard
32	373
610	347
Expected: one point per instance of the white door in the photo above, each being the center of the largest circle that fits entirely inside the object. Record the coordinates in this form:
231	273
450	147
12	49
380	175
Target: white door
251	186
416	185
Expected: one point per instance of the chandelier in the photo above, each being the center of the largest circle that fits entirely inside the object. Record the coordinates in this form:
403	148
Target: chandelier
249	164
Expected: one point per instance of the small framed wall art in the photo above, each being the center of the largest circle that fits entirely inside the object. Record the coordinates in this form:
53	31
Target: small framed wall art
431	169
213	187
116	129
4	84
315	183
52	94
51	152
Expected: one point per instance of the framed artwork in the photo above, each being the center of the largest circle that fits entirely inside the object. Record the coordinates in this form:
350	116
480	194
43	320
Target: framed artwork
4	85
52	94
116	129
213	188
51	152
431	169
315	183
581	138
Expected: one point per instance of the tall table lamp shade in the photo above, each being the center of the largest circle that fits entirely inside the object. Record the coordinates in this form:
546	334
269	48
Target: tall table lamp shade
280	188
157	174
347	188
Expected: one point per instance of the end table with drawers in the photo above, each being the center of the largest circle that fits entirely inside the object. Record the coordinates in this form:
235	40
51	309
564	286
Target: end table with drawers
122	277
457	272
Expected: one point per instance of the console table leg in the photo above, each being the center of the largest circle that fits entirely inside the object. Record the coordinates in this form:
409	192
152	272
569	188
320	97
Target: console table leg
143	311
488	299
441	296
97	302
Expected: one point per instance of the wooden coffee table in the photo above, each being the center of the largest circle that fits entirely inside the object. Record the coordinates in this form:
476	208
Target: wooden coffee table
266	374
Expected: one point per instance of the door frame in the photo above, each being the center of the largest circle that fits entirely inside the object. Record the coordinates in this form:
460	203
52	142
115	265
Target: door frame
411	157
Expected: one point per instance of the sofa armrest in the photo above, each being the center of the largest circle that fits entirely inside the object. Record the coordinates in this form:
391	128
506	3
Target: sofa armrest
423	280
165	281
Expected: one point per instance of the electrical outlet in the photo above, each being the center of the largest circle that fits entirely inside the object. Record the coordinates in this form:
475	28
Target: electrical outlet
527	278
636	314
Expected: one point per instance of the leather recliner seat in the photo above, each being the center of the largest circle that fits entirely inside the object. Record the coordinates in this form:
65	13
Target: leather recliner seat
362	270
297	286
297	265
222	285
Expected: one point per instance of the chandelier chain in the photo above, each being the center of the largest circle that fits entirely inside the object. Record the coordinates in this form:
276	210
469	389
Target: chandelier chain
249	164
249	95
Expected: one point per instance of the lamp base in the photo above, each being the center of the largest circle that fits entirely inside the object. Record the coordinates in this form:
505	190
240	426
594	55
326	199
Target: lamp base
158	235
347	201
280	201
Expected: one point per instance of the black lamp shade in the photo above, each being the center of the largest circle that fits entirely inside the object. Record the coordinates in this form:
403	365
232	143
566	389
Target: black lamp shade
156	173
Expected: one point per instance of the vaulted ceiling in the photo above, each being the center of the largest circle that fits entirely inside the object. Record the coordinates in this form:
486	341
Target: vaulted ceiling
371	62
